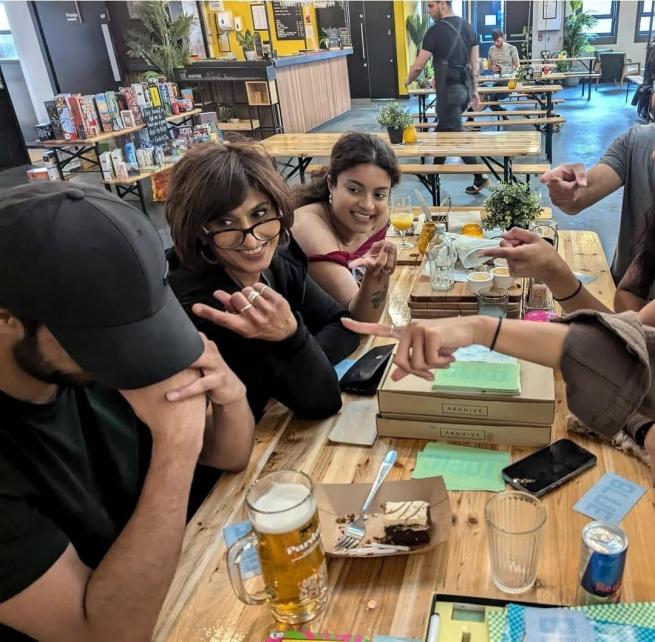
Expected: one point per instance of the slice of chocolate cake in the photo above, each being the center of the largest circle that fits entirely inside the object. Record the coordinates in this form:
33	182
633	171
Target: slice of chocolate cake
407	523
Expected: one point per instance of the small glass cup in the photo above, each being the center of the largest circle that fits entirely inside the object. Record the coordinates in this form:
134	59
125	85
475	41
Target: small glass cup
473	229
515	523
546	228
493	303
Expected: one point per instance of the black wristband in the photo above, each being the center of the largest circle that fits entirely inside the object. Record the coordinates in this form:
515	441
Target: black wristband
493	343
566	298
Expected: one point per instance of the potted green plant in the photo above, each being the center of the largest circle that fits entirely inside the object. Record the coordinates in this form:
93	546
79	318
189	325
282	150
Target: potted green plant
394	118
577	38
162	43
246	41
416	26
227	115
510	205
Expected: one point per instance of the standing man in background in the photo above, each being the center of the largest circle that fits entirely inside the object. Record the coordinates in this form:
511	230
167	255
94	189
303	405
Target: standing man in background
503	59
454	46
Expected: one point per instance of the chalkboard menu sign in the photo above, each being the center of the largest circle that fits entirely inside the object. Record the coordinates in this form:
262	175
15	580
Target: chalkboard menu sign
156	126
289	21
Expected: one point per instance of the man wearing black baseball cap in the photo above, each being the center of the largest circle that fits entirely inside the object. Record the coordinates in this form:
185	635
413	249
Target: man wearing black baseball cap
94	484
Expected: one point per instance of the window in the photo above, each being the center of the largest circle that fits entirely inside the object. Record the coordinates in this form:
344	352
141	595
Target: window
644	16
7	48
607	14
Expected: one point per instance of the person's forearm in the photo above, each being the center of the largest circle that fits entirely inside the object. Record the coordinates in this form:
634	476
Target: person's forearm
125	592
229	436
602	180
368	304
475	66
413	74
625	300
562	282
541	343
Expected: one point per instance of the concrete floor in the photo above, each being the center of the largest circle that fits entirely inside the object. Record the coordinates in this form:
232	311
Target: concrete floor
589	130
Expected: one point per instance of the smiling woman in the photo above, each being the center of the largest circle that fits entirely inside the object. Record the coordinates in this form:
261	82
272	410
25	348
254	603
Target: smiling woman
341	224
243	280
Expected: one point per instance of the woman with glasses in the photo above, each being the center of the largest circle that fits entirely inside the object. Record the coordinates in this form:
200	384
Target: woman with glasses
341	224
243	280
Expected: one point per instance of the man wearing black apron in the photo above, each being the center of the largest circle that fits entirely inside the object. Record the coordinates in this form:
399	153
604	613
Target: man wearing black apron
453	45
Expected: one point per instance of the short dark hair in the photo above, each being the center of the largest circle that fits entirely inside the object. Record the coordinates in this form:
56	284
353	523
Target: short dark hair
497	33
352	149
213	179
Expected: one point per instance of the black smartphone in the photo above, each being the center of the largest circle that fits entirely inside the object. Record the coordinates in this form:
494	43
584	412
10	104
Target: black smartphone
549	467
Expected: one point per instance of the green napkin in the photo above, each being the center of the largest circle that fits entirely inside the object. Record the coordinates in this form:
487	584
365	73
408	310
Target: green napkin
462	468
480	376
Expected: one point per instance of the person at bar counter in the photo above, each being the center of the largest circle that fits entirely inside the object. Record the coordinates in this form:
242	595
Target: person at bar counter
243	279
95	477
453	46
606	360
629	162
341	223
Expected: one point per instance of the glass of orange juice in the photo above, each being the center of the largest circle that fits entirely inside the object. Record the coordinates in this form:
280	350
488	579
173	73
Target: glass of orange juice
402	217
472	229
511	84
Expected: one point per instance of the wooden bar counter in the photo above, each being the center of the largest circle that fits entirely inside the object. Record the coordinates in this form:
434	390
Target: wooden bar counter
313	88
391	596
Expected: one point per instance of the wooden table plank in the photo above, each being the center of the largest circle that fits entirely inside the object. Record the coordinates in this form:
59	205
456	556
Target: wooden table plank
201	606
429	144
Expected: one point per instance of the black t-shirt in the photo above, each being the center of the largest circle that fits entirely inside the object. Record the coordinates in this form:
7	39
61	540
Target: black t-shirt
449	44
71	471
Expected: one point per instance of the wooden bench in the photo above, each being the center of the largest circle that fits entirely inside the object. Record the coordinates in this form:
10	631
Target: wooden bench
501	103
429	173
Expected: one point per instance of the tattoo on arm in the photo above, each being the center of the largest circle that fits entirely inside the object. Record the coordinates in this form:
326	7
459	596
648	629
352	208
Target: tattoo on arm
378	298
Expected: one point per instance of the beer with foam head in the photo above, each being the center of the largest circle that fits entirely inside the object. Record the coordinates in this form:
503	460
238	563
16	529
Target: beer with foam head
284	516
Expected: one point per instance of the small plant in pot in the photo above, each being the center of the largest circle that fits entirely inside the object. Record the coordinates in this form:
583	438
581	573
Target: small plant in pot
246	41
394	118
511	205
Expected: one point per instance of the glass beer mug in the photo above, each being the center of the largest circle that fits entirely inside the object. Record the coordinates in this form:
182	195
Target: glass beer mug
287	535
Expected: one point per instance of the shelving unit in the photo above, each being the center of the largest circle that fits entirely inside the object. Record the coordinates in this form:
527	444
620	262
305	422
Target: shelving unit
130	185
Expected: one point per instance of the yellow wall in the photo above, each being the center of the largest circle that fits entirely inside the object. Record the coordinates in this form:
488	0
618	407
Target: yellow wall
405	50
241	8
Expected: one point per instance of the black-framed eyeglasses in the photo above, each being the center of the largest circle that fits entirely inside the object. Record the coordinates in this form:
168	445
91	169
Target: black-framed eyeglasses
230	239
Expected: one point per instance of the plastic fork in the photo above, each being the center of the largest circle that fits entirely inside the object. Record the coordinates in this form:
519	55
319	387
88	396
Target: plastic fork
356	530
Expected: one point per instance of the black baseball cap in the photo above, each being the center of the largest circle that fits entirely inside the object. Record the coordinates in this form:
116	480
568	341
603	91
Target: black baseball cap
92	269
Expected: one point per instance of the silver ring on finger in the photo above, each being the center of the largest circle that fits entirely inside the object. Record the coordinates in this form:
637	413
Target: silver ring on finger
253	295
264	288
388	270
246	307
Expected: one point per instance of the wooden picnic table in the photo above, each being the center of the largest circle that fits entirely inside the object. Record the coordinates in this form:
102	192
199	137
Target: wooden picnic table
543	94
487	145
391	596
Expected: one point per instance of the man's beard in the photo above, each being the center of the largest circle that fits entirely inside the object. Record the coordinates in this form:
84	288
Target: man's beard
29	358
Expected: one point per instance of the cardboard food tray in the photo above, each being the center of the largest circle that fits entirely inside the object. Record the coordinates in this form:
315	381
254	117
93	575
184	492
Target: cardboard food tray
338	500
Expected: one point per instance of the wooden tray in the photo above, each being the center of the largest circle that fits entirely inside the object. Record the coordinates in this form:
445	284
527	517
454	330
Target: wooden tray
422	293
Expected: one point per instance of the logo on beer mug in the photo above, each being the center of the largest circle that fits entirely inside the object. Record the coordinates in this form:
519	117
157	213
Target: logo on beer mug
287	535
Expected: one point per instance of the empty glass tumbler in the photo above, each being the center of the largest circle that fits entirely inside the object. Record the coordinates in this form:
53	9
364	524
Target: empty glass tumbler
515	523
442	256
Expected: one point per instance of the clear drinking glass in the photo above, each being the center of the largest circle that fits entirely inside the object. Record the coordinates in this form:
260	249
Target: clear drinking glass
493	303
515	522
287	536
402	217
547	229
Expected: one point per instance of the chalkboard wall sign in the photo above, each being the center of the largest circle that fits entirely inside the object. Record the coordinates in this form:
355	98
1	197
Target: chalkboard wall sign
289	21
156	126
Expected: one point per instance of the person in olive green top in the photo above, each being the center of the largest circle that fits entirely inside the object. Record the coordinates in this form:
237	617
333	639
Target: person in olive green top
94	483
